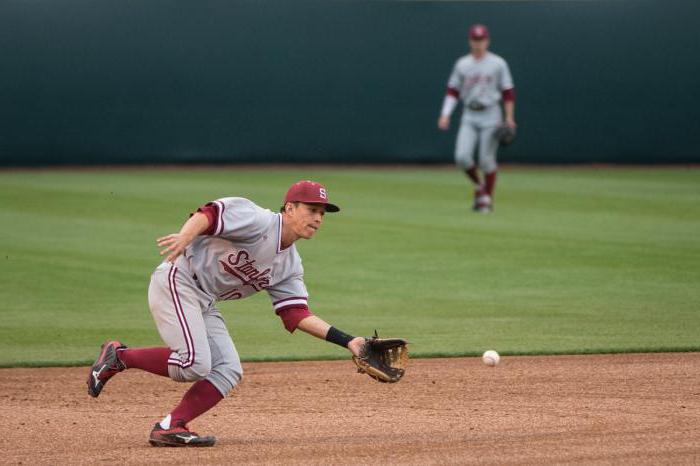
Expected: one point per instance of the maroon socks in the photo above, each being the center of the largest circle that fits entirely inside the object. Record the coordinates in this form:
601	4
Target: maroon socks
489	180
490	183
200	398
473	175
153	360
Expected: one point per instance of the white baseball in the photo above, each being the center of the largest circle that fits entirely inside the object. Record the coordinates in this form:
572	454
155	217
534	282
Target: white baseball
490	358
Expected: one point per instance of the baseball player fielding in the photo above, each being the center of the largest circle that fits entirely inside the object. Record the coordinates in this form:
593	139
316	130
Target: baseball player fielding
230	249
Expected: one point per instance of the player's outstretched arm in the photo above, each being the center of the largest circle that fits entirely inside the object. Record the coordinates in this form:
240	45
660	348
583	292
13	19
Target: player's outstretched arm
174	244
382	359
314	325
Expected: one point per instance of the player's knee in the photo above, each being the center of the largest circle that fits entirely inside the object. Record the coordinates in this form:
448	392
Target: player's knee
200	369
464	163
187	374
488	166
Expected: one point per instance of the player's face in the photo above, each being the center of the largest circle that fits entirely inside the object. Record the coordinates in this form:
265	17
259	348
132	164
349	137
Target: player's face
306	219
479	47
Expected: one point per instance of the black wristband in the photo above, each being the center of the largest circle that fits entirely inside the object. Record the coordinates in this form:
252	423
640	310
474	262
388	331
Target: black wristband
338	337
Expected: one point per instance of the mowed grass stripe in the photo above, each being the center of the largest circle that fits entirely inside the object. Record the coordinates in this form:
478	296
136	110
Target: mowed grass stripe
572	260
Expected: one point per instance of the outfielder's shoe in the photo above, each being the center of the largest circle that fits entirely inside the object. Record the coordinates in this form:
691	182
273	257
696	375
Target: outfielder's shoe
482	203
105	367
178	436
478	191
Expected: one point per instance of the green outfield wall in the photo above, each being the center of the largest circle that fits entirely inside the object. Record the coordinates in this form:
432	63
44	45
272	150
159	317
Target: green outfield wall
155	81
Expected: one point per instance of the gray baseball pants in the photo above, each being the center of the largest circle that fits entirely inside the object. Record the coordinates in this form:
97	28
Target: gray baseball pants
478	128
193	328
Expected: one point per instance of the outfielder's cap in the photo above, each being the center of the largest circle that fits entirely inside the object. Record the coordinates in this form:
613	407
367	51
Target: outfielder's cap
478	32
310	192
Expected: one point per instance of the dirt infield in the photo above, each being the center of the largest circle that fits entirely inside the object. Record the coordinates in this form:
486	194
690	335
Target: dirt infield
605	409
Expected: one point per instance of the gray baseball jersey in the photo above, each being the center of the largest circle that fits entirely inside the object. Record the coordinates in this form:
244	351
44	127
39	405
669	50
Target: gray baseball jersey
243	255
240	255
480	82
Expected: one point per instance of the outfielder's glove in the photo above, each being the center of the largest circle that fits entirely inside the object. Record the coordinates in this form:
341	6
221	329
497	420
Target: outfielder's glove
383	359
505	134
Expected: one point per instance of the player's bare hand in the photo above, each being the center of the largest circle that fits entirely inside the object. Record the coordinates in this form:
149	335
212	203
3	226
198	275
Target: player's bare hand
173	245
444	123
510	123
355	345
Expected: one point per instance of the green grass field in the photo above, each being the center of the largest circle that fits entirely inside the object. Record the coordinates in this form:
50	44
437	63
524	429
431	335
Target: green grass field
572	261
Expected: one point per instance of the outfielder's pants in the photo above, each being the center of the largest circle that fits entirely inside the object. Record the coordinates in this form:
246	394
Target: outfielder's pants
478	128
191	326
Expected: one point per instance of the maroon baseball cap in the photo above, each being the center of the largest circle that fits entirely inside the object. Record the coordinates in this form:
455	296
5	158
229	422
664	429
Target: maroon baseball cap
310	192
478	32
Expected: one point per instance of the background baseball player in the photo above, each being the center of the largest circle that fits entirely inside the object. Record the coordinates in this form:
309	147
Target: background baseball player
229	249
482	81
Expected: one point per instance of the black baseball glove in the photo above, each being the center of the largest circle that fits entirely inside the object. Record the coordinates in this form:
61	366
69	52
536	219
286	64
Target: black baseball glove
383	359
505	135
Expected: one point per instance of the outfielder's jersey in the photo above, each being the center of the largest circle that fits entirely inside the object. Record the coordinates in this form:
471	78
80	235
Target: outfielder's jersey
243	255
480	82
